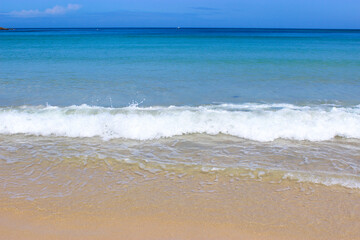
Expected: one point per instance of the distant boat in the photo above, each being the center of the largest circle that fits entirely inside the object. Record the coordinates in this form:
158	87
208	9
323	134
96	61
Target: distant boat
178	27
4	28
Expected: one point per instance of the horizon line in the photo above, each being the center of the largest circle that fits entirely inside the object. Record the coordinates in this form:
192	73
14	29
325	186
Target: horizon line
269	28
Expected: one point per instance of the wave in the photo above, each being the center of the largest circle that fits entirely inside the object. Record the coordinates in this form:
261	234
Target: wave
259	122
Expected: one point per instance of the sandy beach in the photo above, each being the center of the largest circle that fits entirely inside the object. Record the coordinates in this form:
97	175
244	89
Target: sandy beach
113	200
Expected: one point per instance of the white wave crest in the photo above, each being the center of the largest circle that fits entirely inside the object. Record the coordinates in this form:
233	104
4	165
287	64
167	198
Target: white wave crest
260	122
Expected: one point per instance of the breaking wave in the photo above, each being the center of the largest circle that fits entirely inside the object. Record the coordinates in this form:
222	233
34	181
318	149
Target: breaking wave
259	122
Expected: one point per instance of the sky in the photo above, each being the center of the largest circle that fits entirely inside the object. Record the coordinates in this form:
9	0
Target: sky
183	13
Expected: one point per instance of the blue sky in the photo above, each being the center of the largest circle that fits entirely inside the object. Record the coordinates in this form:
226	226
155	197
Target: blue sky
184	13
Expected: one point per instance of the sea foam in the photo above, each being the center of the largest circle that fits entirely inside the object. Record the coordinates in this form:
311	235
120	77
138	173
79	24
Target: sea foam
327	180
259	122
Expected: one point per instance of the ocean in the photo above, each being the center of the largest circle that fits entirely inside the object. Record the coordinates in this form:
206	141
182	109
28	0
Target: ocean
270	104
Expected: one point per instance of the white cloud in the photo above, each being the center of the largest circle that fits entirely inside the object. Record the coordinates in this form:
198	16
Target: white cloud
56	10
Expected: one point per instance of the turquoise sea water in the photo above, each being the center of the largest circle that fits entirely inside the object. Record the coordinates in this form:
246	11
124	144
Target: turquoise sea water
276	100
117	67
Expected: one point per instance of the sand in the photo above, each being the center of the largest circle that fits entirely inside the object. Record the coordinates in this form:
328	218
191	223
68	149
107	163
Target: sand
112	200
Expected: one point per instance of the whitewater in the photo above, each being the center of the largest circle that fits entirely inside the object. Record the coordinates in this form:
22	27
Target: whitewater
252	121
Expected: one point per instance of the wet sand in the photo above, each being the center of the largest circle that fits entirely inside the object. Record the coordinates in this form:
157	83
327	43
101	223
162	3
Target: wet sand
113	200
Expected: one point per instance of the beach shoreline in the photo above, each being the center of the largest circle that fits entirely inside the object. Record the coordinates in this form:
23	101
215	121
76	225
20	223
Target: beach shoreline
179	133
170	205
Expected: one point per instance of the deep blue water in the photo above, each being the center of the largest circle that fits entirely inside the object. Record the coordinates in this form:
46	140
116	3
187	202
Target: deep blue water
117	67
